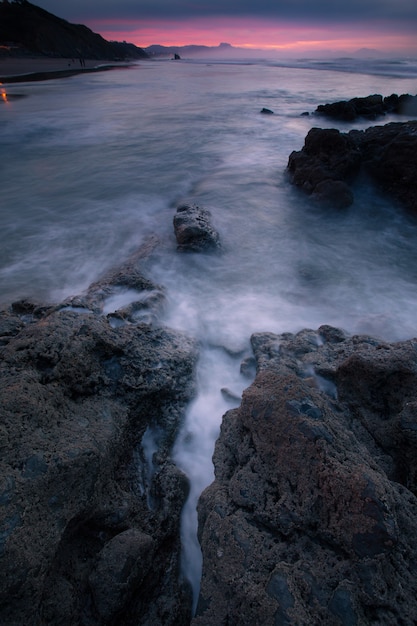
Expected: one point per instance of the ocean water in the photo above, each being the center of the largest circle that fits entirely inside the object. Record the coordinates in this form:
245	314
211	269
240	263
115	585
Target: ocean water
93	164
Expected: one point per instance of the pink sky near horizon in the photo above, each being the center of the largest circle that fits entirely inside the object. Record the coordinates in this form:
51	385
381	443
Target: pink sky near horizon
257	34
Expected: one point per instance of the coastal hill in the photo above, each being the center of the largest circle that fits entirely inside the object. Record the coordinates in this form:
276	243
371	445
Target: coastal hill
26	29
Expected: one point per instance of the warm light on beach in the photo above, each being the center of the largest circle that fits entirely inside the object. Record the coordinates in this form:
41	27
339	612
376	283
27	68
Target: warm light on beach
3	93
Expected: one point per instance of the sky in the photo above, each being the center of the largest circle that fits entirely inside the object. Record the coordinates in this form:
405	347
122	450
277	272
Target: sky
284	26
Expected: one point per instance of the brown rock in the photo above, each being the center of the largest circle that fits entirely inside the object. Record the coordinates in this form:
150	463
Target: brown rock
306	521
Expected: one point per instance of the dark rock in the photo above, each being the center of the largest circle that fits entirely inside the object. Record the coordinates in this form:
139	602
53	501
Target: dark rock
388	156
330	161
10	326
369	107
194	231
35	31
146	300
314	506
328	157
333	193
230	395
265	111
248	367
87	534
121	566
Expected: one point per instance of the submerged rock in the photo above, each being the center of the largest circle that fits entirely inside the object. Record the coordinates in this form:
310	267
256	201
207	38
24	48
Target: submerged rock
89	525
314	502
194	231
330	161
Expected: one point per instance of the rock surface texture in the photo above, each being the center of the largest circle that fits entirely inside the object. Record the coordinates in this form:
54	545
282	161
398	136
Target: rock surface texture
330	161
90	502
312	515
194	231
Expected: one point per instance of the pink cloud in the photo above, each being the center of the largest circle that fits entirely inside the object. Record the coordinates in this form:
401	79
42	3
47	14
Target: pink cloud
251	33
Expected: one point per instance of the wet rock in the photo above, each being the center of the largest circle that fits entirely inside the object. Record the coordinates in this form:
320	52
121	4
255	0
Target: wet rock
230	395
333	193
84	538
369	107
330	161
314	502
124	292
121	566
194	231
265	111
323	166
388	157
10	326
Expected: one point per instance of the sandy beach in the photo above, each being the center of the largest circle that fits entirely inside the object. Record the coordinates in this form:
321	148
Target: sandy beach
14	70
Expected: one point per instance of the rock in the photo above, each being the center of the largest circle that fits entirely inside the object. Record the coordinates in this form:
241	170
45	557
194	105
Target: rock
123	293
314	506
327	157
121	566
87	533
230	395
193	229
333	193
330	161
369	107
388	157
10	326
265	111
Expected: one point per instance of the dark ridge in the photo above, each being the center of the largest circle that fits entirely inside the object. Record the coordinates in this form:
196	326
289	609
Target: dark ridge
26	29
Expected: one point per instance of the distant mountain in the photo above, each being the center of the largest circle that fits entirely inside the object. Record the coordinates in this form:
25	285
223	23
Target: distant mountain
368	53
223	49
28	29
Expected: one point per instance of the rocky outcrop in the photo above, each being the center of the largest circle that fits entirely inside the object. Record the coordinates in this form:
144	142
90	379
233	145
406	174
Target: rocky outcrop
194	231
370	107
330	160
33	30
325	165
90	501
311	518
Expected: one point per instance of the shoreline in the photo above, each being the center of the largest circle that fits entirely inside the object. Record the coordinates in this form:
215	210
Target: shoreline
20	70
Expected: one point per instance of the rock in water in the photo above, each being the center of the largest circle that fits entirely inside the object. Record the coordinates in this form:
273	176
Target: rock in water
330	160
369	107
311	518
193	229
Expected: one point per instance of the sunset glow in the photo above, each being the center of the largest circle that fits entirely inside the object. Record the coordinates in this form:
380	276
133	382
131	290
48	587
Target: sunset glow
251	34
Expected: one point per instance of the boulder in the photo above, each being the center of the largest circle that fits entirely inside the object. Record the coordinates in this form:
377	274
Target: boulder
89	523
194	231
330	161
388	157
328	157
313	507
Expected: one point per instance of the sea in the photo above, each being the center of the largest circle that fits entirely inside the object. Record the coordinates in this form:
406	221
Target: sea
91	165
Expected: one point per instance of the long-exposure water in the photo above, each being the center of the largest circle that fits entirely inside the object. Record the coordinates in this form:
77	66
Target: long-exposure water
91	165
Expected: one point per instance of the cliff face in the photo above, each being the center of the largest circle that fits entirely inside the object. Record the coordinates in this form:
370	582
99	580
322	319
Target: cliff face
32	30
